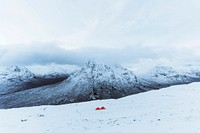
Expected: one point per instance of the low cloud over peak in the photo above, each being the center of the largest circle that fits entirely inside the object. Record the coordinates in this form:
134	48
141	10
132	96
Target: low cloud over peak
47	53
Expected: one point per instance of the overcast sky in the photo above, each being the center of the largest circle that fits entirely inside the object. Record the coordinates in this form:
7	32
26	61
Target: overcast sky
116	31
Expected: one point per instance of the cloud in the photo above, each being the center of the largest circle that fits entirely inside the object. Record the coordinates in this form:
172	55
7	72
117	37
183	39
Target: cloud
37	53
47	53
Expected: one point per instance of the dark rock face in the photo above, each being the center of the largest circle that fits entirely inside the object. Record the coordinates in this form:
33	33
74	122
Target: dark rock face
39	81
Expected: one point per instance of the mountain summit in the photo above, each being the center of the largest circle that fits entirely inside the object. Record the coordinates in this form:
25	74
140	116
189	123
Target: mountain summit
14	79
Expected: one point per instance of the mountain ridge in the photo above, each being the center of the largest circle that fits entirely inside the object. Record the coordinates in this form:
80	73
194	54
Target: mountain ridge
98	81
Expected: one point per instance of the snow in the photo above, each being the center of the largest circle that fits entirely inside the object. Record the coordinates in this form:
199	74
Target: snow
14	74
174	109
167	75
18	78
144	68
11	78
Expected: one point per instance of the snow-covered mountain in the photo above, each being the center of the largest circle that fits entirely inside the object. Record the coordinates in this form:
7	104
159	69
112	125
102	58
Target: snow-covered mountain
15	78
169	110
167	76
106	81
93	81
194	71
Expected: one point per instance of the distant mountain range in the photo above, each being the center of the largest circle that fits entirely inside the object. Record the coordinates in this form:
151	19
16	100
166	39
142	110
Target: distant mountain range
167	76
20	87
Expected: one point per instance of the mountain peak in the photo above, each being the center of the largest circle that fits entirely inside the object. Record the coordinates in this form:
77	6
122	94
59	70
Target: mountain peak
90	63
17	69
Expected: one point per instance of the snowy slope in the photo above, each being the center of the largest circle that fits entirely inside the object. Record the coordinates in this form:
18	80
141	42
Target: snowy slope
170	110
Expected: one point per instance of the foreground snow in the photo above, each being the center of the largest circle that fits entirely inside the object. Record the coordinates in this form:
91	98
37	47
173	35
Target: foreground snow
175	109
